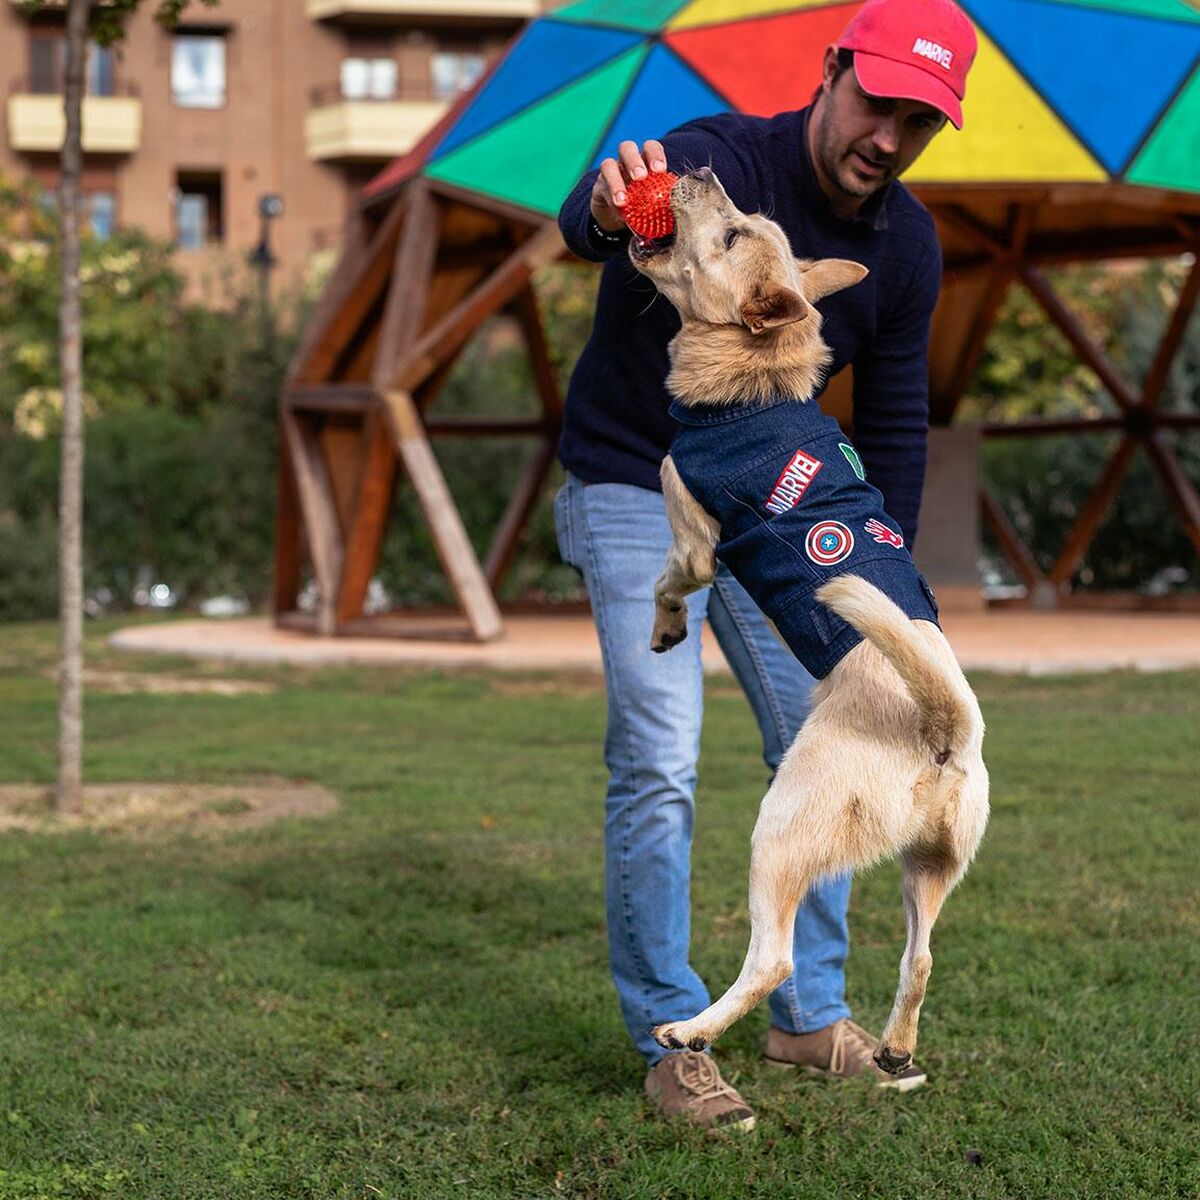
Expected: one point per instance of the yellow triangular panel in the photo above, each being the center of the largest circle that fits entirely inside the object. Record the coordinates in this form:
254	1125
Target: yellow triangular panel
715	12
1009	134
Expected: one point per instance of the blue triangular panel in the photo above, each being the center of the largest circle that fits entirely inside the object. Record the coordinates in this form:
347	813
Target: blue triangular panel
1109	74
548	55
664	95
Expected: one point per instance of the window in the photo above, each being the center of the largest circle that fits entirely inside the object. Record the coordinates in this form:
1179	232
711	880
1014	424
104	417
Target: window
368	78
101	213
198	211
455	71
48	66
198	70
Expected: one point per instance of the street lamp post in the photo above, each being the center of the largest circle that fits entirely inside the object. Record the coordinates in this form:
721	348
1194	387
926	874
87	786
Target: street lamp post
270	206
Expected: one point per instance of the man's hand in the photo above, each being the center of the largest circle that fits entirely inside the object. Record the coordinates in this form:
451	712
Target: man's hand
608	192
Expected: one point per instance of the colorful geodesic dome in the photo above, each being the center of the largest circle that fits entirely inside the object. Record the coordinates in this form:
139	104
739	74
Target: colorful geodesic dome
1080	91
1081	141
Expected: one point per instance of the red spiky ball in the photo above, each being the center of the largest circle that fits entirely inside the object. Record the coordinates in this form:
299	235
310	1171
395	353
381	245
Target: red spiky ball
647	208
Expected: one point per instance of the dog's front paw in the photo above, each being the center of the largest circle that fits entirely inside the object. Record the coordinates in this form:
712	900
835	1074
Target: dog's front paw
891	1061
673	1036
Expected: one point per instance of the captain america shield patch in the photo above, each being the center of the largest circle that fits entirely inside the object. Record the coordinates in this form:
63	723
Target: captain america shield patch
828	542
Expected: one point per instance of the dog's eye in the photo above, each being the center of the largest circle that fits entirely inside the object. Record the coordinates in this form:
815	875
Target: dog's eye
731	236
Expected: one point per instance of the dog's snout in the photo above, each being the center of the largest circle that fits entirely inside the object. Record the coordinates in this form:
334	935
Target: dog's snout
705	173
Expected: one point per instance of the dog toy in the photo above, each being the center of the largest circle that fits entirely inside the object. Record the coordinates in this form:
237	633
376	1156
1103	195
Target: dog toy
647	208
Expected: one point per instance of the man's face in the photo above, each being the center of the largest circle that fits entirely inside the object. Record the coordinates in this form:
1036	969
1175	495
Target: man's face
862	142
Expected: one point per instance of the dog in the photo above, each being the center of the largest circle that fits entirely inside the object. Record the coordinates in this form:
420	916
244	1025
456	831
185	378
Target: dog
889	759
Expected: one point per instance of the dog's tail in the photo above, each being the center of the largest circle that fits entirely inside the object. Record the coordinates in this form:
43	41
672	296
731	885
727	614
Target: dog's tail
948	710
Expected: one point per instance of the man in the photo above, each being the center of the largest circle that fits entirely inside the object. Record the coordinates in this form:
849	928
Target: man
827	174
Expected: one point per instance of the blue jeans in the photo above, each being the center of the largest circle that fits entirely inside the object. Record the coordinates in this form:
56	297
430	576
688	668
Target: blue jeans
616	536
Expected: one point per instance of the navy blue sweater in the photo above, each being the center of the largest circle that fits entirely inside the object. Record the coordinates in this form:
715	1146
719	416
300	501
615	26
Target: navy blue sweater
616	427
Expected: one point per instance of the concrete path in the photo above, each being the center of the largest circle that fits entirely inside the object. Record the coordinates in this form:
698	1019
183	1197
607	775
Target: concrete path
1008	640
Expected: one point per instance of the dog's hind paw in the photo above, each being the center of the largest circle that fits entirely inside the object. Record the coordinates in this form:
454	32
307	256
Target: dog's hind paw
666	639
887	1059
672	1037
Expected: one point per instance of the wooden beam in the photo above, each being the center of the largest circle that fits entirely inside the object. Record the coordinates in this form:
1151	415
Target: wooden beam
1074	332
369	520
449	536
1049	425
507	538
452	331
329	398
1172	337
320	514
1093	512
370	272
339	286
1180	488
1011	542
528	313
288	552
942	410
524	217
408	293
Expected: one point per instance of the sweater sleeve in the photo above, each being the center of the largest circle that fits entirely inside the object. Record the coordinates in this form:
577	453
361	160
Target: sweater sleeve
891	396
710	141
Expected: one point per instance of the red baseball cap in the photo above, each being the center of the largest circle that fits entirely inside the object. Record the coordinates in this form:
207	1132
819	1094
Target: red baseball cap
913	50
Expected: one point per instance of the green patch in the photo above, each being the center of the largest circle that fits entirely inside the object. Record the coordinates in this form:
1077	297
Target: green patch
410	997
851	456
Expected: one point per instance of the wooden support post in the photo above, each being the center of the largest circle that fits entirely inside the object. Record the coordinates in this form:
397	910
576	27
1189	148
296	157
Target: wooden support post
449	536
1092	513
369	519
288	555
1011	543
1172	338
1180	488
320	514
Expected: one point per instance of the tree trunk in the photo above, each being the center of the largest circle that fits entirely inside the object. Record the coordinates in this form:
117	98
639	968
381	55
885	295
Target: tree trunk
68	795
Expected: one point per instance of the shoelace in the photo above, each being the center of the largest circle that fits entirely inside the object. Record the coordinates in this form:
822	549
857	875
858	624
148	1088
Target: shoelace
852	1047
698	1075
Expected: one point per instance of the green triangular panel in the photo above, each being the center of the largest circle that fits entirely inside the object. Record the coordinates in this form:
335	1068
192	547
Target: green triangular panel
1170	10
1171	158
536	158
647	15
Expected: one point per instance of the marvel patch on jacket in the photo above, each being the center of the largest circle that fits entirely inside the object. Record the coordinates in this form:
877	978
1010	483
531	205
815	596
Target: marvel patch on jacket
795	509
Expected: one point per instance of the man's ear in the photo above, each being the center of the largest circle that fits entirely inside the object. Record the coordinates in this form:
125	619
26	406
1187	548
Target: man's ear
824	276
772	308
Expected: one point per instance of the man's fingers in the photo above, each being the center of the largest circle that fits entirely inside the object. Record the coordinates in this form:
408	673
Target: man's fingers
655	155
610	172
631	160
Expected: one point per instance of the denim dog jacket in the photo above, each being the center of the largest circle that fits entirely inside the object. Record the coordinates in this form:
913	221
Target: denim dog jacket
795	510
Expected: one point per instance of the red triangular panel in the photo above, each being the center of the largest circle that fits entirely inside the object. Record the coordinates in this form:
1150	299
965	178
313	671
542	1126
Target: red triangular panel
764	65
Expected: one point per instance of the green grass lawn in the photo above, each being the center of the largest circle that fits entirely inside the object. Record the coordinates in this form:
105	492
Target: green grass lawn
410	998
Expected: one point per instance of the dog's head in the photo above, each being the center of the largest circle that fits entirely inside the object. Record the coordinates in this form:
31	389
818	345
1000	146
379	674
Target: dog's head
726	267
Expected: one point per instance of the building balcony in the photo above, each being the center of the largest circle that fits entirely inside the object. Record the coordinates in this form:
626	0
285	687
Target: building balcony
359	129
37	123
379	12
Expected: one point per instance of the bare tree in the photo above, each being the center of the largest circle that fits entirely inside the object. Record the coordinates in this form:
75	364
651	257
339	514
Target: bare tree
68	794
107	24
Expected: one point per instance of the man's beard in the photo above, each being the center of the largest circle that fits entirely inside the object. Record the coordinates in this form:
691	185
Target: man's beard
840	172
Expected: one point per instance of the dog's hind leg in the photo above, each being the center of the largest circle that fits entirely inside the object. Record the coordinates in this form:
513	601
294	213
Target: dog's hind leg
780	876
691	560
928	879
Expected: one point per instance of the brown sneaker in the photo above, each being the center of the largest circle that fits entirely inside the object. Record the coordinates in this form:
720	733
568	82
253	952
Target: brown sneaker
688	1085
842	1049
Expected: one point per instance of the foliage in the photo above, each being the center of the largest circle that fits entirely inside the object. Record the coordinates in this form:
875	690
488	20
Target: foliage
1028	370
108	18
410	1000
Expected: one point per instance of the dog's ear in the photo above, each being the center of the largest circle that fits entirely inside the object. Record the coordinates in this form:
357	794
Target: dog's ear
772	308
824	276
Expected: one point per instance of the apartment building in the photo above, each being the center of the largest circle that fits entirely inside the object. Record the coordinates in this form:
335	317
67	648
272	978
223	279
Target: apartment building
188	132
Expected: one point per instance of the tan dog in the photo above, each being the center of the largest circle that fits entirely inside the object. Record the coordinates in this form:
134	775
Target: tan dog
889	759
